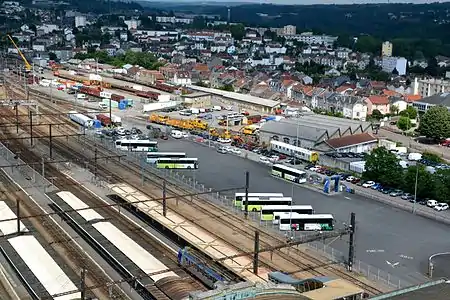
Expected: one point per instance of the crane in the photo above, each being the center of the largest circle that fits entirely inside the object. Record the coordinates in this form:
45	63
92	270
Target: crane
27	64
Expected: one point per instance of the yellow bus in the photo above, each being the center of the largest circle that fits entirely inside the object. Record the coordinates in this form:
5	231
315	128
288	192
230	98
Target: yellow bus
255	204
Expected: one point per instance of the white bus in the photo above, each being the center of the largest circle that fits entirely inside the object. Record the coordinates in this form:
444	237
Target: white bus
152	157
238	197
177	163
298	222
137	145
288	173
267	211
255	204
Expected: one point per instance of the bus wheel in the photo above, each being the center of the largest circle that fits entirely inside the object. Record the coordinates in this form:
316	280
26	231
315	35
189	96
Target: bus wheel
166	167
189	167
253	209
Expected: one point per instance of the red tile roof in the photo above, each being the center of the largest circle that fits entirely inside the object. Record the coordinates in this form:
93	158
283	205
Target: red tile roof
390	93
412	98
350	140
379	100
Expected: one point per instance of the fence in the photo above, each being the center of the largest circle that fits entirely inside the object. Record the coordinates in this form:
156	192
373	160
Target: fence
227	201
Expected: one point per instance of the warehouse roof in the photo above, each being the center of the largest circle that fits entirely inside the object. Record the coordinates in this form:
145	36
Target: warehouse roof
436	290
350	140
237	96
292	129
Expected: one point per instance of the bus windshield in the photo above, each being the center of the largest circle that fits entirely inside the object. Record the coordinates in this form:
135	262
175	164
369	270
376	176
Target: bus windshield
177	163
152	157
238	197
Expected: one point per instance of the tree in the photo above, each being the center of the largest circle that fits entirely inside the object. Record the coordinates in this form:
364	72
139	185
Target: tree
395	72
442	183
383	166
435	123
393	109
432	157
404	123
227	87
409	112
426	185
376	114
237	31
52	56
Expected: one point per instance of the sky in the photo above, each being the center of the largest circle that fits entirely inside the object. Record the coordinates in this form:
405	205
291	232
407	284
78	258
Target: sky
300	2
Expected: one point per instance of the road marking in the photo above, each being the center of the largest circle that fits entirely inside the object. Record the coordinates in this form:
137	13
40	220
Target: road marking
392	264
375	251
406	257
348	198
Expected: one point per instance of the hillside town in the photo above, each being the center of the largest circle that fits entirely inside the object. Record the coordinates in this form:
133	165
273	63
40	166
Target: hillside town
279	64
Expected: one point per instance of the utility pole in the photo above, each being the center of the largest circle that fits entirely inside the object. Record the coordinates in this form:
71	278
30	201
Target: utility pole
83	284
17	117
247	183
164	202
31	128
18	215
95	163
50	140
256	253
351	244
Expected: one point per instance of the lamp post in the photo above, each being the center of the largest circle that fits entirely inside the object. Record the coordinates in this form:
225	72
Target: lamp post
293	183
415	188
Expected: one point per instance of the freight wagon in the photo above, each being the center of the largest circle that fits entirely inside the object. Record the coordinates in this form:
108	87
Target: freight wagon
105	120
81	119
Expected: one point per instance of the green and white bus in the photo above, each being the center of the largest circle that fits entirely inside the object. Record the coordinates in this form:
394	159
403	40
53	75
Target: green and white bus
288	173
255	204
177	163
137	145
239	197
152	157
298	222
267	212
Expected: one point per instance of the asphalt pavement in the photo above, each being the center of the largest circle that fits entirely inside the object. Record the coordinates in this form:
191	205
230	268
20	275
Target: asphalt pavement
385	235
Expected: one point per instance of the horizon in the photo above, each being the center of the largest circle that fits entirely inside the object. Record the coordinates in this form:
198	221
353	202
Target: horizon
302	2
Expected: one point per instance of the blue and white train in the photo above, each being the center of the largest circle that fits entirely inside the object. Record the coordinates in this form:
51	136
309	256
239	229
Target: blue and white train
197	264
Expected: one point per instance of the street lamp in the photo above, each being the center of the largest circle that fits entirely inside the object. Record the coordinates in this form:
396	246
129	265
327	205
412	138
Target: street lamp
415	187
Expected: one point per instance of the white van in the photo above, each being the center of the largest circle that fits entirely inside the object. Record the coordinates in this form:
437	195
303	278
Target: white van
81	96
432	203
102	106
217	108
415	156
176	134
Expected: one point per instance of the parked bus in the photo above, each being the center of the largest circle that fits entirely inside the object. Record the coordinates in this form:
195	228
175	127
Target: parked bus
289	173
300	222
177	163
255	204
267	211
238	197
137	145
152	157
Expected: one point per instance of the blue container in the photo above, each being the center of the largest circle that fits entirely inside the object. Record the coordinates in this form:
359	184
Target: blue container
124	101
122	106
270	118
97	124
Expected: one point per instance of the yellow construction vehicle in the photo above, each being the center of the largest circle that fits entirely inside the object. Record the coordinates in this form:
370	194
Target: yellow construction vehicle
27	64
250	129
199	124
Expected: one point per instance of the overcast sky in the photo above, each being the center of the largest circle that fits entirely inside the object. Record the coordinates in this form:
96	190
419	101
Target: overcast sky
300	2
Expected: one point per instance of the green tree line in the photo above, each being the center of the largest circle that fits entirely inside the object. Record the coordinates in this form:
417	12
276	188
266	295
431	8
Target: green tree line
383	167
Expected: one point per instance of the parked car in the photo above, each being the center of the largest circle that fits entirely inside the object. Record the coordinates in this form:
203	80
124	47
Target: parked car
350	178
441	206
406	196
235	151
222	150
396	193
368	184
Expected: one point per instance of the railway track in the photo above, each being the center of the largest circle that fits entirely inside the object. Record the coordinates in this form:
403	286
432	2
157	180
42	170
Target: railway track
134	231
295	257
63	244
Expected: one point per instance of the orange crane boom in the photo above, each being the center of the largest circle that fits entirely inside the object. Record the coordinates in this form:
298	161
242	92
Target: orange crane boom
27	64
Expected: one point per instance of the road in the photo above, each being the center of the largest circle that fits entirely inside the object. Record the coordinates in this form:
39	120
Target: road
384	234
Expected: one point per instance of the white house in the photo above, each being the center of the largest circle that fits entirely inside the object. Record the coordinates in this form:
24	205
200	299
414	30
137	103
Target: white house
182	78
388	64
275	48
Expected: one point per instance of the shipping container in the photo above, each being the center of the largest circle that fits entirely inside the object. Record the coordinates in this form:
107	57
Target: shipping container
114	104
105	120
116	97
